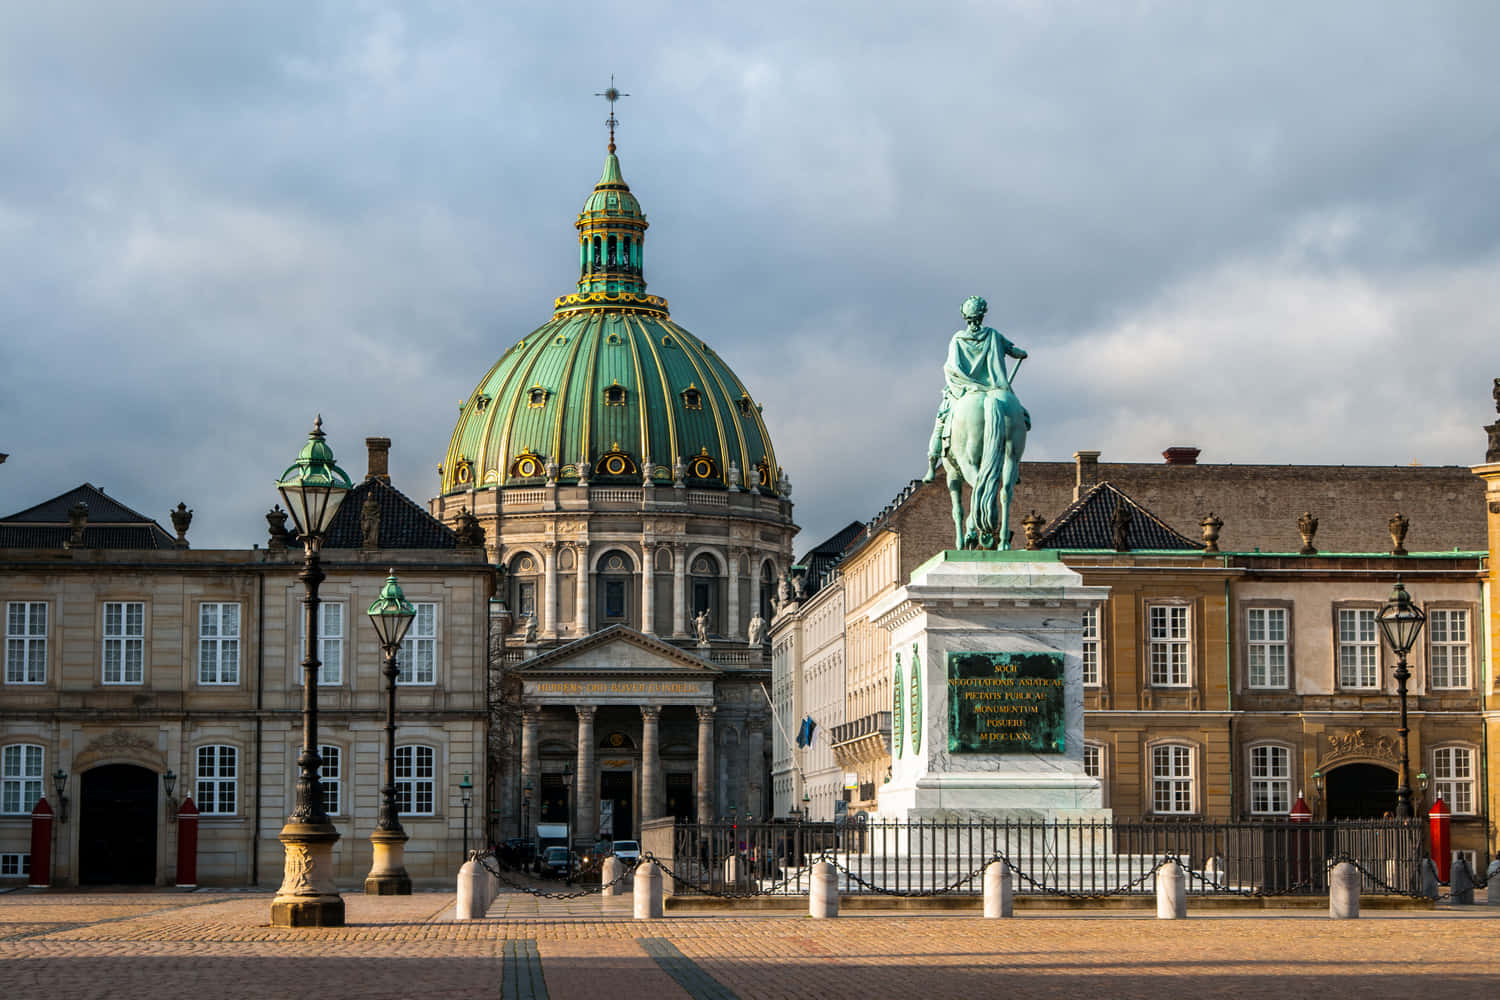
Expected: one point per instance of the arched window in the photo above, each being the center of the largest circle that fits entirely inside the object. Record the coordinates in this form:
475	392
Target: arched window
20	778
705	572
217	781
416	770
767	589
614	589
524	574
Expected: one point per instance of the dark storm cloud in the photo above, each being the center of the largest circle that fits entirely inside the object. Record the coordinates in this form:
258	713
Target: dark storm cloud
1264	229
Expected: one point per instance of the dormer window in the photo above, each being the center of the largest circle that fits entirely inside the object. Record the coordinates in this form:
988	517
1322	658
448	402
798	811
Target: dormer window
537	396
614	395
692	399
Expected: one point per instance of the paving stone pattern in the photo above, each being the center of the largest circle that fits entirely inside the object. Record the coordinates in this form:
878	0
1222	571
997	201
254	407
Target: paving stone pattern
219	944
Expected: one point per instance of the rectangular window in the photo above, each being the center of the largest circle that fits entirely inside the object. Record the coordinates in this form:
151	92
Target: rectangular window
414	780
1270	780
15	865
1169	648
26	642
1453	778
20	778
526	600
614	598
1358	648
331	778
330	644
218	644
1091	647
124	642
1448	648
218	780
1265	633
1172	779
1093	760
417	660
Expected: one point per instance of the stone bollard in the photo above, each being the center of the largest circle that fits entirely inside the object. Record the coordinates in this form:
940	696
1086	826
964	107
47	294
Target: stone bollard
1213	871
1492	881
472	904
608	873
1461	881
823	898
647	891
1171	891
733	870
1343	891
997	889
1431	886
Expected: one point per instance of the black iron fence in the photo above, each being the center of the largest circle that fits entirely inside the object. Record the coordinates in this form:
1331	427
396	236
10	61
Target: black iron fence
1061	857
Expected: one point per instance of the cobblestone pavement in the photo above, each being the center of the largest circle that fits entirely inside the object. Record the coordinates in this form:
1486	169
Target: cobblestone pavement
219	944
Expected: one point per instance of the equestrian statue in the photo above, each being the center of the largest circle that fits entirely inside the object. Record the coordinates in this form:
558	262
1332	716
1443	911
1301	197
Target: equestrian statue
980	431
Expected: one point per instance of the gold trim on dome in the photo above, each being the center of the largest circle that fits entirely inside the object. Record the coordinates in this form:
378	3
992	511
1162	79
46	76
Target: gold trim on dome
666	395
528	465
713	402
562	390
590	372
739	431
640	388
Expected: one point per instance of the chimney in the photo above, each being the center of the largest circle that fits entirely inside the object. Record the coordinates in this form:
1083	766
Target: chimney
1088	471
380	458
1181	454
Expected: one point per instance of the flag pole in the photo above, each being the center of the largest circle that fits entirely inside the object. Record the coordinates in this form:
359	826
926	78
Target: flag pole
791	743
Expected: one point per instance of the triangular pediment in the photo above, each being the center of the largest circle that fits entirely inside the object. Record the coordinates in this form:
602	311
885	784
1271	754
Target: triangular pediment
614	651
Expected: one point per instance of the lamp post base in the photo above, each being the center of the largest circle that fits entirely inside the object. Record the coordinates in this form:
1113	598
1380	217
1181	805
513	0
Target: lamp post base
308	897
388	871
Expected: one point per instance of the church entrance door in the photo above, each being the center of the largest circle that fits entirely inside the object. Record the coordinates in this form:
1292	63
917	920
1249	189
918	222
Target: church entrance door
117	826
617	787
1361	791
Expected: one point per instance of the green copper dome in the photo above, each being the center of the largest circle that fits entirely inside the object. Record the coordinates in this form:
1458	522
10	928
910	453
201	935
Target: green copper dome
611	381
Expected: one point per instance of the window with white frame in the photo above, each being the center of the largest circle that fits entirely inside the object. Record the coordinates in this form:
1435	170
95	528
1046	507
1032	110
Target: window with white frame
330	644
1172	778
124	642
20	778
331	778
1358	649
26	642
417	659
415	772
15	865
1453	778
217	780
1448	648
1265	635
1091	647
1169	645
218	644
1093	760
1270	780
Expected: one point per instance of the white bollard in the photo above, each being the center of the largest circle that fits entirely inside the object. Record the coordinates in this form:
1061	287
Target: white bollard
1171	891
733	869
1213	871
647	891
997	889
608	873
823	899
1492	880
1461	882
1343	891
471	889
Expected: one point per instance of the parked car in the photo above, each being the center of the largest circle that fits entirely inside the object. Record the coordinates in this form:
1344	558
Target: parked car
517	852
557	862
628	851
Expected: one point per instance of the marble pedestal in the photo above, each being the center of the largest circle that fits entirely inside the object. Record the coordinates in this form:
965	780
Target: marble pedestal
1004	606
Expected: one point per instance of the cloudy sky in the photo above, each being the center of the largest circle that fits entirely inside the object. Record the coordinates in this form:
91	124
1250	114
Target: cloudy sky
1269	230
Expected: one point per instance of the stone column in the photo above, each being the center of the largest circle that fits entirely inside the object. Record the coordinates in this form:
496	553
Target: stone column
531	767
732	627
648	589
586	805
650	763
581	599
705	763
679	591
549	600
755	802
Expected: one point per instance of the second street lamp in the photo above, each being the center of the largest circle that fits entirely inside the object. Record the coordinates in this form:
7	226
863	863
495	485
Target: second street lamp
392	615
313	488
1401	622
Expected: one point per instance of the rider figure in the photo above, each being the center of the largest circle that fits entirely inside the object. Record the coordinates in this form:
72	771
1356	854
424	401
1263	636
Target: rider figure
976	362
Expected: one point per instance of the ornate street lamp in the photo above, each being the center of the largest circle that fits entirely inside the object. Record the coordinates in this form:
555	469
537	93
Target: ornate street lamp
1401	622
392	615
60	785
313	487
466	793
169	782
526	811
567	780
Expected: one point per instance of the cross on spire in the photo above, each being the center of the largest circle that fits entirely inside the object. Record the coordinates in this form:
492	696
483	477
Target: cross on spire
611	95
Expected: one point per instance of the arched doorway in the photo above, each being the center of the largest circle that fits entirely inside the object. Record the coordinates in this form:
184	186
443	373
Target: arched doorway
1361	791
117	826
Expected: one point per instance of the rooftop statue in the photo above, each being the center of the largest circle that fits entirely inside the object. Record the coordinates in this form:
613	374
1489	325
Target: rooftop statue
980	431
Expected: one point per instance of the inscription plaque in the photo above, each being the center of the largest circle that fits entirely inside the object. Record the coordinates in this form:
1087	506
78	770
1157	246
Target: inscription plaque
1006	703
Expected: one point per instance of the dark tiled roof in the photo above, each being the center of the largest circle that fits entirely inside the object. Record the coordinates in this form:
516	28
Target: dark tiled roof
827	554
403	522
111	524
1088	523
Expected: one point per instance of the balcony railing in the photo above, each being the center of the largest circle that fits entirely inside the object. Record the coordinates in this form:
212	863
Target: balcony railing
868	725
